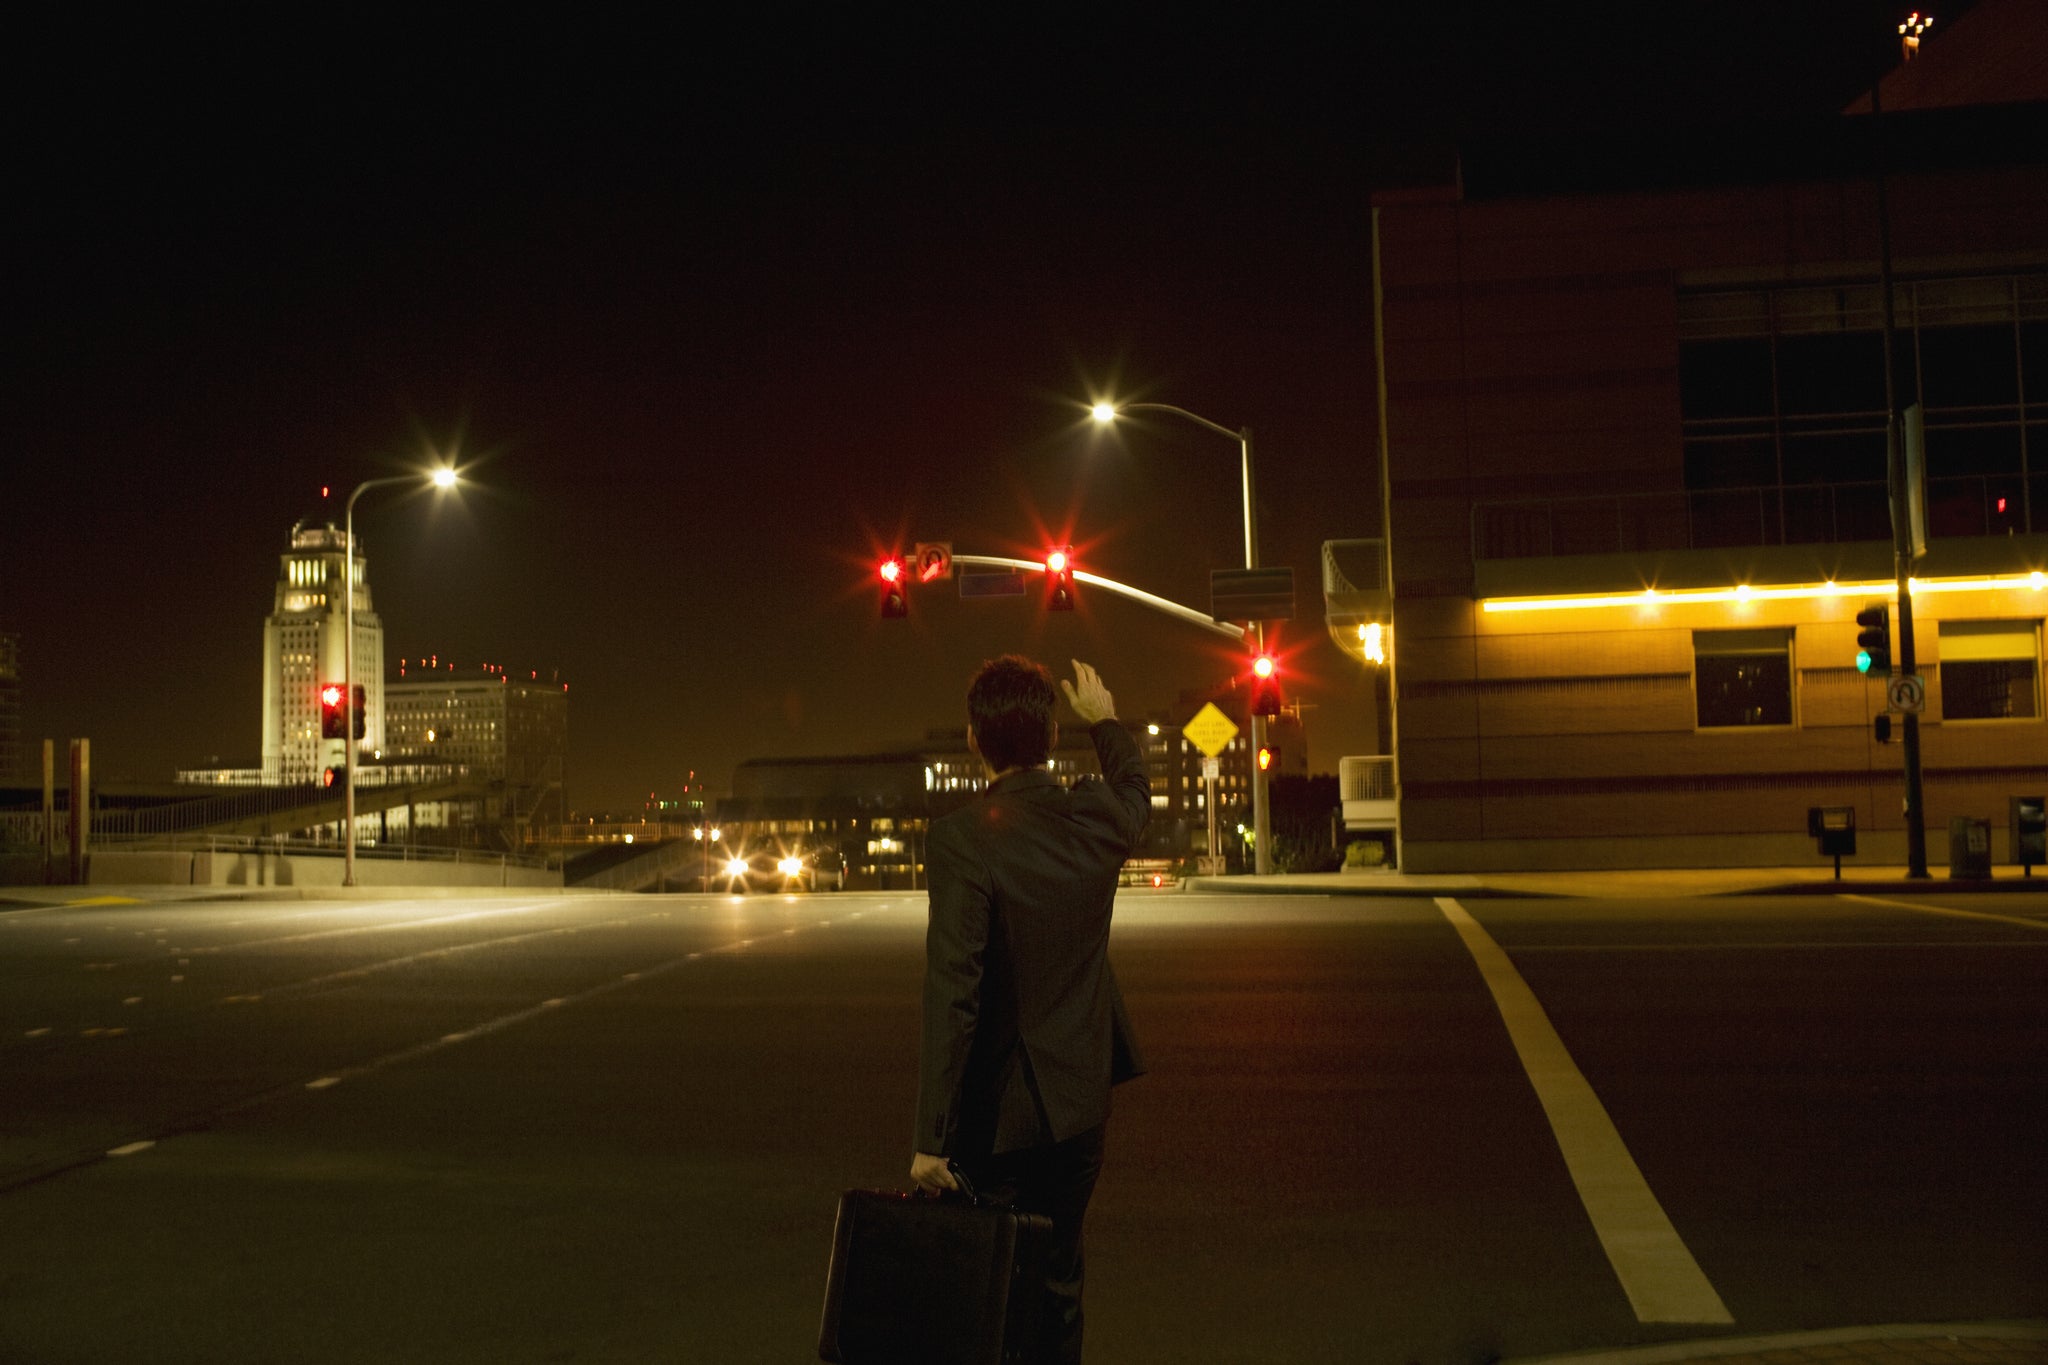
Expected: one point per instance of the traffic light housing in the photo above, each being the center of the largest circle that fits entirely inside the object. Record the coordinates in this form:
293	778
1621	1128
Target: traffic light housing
1265	686
357	712
333	715
895	588
1874	640
1059	579
335	776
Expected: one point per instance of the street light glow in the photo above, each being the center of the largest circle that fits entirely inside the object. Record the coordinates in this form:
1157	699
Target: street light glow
1103	412
444	477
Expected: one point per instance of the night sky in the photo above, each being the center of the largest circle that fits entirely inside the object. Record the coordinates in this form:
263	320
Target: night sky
711	313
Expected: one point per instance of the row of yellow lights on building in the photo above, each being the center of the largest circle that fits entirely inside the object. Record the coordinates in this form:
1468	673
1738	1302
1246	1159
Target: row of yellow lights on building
1743	592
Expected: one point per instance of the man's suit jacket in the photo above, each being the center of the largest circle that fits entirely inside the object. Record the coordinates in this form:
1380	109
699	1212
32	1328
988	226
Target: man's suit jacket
1024	1027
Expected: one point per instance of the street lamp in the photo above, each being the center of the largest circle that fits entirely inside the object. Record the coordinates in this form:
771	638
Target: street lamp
1106	413
442	477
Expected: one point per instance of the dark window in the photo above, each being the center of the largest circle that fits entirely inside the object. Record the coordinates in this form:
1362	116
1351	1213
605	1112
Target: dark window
1968	366
1742	677
1953	450
1987	689
1835	456
1831	372
1718	379
1731	461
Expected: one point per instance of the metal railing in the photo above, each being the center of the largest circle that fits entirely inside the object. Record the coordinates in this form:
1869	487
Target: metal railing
1368	778
1719	518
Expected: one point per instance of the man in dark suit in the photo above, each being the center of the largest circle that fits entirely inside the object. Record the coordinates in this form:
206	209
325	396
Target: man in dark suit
1024	1028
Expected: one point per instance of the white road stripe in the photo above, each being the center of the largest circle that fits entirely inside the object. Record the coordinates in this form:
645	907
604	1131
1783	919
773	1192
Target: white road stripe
1944	910
1662	1280
132	1148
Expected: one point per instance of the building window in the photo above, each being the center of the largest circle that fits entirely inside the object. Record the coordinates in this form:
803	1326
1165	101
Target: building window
1989	670
1742	677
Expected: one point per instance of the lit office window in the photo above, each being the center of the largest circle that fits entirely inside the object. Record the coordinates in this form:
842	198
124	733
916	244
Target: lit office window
1989	670
1742	677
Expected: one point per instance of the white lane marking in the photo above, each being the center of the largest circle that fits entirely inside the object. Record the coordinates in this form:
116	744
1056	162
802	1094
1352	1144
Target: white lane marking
130	1149
35	1033
1944	910
132	1000
1763	945
323	1083
1662	1280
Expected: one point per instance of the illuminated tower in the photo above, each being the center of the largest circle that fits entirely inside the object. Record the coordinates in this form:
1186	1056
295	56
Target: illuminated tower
302	649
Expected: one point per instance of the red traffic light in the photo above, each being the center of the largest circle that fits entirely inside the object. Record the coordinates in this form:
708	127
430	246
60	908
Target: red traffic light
895	602
1059	579
330	695
1265	686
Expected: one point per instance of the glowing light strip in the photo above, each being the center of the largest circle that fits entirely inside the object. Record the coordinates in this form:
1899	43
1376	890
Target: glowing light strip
1743	592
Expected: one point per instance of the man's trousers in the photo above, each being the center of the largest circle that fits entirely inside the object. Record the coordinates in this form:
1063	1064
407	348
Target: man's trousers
1055	1180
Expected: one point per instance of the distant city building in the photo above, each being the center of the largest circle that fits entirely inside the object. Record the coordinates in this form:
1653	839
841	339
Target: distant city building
498	728
875	808
303	651
11	757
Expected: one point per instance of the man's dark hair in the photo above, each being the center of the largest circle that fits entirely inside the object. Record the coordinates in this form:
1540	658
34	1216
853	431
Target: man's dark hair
1010	704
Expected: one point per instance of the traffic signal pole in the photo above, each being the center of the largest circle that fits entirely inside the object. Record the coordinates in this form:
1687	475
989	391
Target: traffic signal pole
1902	536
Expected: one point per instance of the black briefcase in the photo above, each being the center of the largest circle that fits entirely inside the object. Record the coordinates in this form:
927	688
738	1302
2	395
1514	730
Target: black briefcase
917	1280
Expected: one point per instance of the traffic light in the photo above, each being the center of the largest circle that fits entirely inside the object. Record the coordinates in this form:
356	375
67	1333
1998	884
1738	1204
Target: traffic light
1059	579
1265	757
895	599
333	777
1874	640
1265	686
333	717
356	712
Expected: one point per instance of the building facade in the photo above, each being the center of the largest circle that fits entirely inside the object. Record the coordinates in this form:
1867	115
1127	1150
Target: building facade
513	732
303	651
1635	454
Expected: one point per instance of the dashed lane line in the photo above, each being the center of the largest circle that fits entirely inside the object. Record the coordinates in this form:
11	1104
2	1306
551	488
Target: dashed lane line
200	1121
1662	1280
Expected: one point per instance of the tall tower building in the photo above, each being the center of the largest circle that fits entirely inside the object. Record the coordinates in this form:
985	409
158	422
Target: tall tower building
302	652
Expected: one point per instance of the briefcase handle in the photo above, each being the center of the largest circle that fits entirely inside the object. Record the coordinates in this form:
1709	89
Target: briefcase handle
965	1192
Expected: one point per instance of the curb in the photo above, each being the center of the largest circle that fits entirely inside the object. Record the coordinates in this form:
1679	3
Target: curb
1721	1348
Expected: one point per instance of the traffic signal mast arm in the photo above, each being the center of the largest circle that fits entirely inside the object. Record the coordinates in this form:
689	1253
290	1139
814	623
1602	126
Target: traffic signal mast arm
1139	595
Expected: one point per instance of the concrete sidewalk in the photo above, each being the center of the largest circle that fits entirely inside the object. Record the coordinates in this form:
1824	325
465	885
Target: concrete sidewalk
1955	1343
1621	883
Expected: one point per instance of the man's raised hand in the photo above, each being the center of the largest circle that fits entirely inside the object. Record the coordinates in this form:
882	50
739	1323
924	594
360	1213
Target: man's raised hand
1086	694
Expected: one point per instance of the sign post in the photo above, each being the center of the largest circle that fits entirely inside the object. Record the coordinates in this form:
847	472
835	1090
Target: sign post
1211	731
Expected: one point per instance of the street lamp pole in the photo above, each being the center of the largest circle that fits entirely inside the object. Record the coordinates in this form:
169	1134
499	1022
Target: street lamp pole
443	477
1262	820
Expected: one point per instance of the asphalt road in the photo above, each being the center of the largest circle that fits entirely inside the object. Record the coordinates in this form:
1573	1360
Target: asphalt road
1376	1129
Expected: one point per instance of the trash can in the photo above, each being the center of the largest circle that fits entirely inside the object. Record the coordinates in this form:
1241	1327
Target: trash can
1969	849
2027	832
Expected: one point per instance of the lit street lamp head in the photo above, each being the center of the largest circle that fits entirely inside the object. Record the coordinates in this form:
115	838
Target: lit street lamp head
444	477
1104	413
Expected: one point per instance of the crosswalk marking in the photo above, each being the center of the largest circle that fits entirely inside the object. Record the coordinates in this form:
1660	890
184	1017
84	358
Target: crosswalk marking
1662	1280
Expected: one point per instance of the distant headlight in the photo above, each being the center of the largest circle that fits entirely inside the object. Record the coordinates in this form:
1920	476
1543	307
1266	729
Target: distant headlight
791	866
735	867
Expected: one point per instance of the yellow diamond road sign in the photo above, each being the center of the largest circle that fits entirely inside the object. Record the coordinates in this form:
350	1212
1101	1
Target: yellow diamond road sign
1210	730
